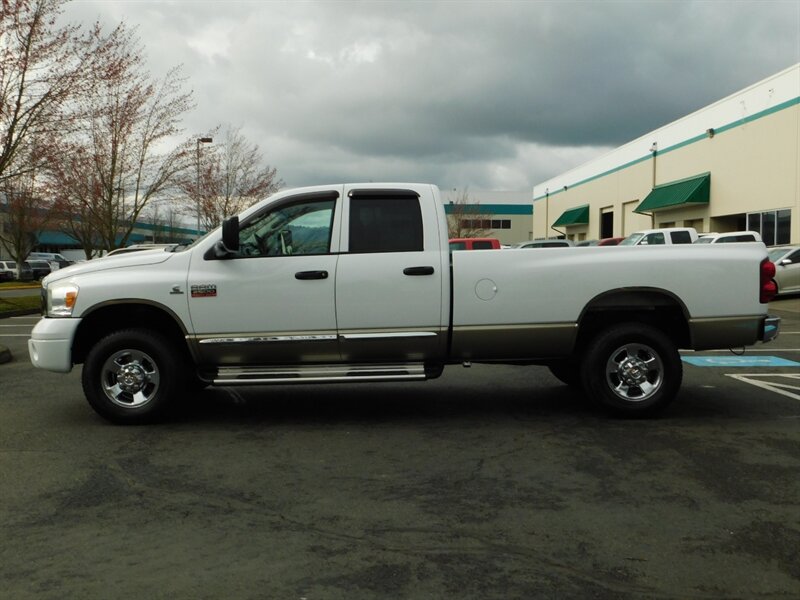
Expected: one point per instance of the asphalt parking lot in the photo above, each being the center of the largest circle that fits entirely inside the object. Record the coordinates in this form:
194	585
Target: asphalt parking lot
491	482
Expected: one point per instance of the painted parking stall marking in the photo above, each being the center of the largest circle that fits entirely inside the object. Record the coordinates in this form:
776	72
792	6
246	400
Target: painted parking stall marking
785	384
739	361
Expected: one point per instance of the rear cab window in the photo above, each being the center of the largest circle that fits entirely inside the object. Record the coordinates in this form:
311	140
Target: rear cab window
391	223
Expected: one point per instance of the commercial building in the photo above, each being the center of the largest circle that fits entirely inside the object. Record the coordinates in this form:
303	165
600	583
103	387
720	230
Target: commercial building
730	166
505	215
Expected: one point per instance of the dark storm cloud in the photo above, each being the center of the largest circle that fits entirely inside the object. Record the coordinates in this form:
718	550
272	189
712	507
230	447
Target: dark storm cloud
495	94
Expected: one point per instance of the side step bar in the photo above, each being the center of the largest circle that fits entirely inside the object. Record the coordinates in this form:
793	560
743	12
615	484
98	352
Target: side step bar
317	374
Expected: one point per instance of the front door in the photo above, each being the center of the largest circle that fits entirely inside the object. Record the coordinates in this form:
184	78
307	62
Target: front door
273	302
390	278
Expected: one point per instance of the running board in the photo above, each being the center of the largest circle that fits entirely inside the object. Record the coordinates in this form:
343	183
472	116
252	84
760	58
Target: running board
317	374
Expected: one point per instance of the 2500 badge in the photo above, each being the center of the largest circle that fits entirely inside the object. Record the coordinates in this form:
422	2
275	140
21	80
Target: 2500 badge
204	291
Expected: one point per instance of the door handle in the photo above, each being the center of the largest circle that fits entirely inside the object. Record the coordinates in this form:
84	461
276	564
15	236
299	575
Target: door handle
418	271
305	275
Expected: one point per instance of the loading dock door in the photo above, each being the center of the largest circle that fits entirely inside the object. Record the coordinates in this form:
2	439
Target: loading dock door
606	222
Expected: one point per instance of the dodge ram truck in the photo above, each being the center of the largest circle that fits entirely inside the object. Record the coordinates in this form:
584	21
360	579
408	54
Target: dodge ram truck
356	282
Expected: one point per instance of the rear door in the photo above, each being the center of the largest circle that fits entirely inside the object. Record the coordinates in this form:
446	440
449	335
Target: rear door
390	277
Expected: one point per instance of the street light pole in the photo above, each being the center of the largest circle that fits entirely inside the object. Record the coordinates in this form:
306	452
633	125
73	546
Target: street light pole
202	140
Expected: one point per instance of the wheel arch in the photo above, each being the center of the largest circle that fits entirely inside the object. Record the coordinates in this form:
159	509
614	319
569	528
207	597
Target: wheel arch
108	317
654	306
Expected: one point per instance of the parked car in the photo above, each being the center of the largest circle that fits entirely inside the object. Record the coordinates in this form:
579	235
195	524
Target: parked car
22	273
57	261
729	237
545	243
610	241
787	268
656	237
40	268
6	274
474	244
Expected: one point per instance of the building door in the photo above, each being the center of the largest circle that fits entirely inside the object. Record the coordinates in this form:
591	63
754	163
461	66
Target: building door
606	223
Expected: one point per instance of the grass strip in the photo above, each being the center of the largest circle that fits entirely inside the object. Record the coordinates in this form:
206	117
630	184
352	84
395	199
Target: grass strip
10	305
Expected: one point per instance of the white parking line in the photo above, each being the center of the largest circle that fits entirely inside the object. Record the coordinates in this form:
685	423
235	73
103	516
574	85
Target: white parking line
781	388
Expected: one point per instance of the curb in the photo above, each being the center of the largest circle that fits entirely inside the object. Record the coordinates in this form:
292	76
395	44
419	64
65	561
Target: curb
5	355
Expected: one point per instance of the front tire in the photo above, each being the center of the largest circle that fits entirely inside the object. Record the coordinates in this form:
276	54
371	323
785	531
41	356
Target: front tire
132	376
632	370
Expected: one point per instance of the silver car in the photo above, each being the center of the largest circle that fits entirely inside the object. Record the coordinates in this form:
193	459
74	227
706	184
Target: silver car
787	268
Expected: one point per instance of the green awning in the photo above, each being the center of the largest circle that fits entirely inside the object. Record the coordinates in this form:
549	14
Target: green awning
56	238
573	216
693	190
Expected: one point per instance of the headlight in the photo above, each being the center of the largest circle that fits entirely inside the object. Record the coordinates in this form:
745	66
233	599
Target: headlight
61	299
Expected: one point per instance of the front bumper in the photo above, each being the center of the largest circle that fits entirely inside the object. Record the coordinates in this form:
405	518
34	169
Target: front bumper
50	346
770	328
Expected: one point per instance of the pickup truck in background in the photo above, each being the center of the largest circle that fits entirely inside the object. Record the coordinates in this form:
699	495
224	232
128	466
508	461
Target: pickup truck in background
356	283
664	236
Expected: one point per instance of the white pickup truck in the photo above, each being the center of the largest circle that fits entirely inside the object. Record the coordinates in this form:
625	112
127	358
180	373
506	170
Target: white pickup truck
356	283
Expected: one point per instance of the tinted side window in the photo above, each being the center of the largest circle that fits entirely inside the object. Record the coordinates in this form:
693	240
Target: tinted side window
681	237
458	246
385	225
653	238
482	245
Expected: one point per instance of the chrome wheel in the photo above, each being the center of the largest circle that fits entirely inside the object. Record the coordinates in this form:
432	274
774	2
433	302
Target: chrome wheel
130	378
634	372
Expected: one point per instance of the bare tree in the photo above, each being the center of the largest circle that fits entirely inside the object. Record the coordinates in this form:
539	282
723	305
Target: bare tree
124	121
465	218
42	66
78	197
27	215
232	176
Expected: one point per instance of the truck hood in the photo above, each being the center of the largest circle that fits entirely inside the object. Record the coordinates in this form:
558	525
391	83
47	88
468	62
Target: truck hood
133	259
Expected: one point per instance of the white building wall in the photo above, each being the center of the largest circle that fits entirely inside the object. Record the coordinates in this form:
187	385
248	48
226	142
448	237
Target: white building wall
753	155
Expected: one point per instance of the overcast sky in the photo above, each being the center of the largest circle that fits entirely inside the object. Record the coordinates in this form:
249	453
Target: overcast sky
484	95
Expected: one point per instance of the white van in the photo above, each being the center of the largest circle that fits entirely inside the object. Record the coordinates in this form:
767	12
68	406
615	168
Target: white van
729	237
655	237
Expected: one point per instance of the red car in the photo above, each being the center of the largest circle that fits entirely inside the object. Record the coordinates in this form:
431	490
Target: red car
474	244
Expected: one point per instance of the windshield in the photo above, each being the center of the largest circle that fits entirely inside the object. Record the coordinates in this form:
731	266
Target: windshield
776	254
704	240
632	239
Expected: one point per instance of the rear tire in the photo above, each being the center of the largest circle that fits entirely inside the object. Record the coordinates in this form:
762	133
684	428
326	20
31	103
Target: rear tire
632	370
133	376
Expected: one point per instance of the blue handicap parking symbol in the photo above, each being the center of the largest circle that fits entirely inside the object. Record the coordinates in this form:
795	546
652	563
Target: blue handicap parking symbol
739	361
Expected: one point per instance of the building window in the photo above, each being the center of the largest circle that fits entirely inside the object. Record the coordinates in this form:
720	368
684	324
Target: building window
773	225
485	224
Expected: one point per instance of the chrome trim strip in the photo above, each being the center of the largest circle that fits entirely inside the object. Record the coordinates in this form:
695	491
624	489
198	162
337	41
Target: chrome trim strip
376	336
271	338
